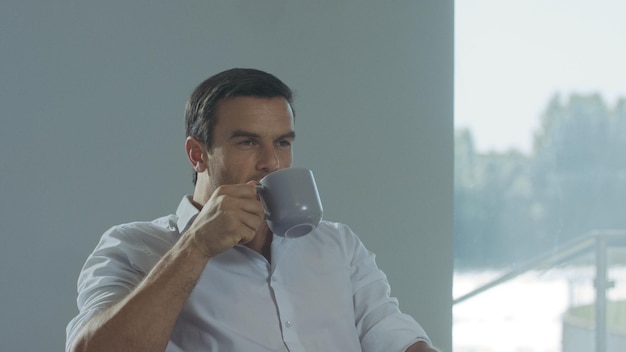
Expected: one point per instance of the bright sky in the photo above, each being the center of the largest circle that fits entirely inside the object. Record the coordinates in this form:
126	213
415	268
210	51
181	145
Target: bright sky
511	57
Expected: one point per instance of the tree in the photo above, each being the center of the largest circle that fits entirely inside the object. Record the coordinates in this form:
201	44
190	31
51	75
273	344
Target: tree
578	160
511	207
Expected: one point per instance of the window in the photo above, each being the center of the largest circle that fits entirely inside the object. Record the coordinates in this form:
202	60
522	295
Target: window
540	175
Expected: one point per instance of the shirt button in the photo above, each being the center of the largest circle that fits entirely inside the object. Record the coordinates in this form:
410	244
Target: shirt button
274	278
288	323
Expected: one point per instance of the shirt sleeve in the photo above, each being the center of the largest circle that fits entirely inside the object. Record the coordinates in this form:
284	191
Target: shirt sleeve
119	262
380	323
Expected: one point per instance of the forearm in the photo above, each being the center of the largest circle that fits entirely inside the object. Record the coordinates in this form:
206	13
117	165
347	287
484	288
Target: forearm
421	347
143	320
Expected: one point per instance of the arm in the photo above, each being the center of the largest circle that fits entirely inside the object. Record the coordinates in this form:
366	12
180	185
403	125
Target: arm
420	346
144	320
381	324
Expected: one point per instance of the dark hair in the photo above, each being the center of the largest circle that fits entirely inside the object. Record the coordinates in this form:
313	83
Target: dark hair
200	116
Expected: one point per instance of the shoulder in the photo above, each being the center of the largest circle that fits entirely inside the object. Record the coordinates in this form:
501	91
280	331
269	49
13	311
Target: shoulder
335	235
333	231
139	244
161	230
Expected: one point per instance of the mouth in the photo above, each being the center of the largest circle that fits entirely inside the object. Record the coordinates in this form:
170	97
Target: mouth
258	179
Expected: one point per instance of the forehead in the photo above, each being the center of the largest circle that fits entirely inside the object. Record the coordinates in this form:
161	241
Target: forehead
253	113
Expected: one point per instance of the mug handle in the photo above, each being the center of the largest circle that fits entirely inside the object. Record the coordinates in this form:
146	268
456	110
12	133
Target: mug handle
259	190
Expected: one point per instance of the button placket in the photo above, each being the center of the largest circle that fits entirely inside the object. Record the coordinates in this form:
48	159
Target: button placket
285	314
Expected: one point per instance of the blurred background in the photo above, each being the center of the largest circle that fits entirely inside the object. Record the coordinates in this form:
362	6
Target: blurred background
540	176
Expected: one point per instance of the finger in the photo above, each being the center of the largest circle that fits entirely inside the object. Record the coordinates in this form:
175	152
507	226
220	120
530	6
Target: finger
238	191
248	213
253	206
247	236
230	203
251	221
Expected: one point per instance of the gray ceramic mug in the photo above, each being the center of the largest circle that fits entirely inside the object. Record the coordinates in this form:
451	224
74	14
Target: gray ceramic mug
292	203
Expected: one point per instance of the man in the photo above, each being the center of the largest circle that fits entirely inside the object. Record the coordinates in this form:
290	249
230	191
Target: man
213	277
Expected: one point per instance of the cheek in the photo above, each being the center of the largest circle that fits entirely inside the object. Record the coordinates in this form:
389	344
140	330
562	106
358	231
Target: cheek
285	160
238	170
220	169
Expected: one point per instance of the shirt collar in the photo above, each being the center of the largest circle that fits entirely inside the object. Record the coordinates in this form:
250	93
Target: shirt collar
186	213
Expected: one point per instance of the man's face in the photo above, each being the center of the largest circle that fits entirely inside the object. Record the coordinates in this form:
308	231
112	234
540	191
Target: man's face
252	138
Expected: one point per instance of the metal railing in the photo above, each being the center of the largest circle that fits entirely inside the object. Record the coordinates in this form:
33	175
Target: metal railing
597	241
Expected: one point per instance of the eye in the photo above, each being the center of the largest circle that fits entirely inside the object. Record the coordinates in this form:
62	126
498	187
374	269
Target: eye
246	142
284	143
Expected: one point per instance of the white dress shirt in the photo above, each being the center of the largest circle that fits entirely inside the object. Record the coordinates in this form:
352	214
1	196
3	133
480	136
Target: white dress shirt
321	292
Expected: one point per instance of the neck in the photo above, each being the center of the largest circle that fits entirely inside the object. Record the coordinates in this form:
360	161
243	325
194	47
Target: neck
200	196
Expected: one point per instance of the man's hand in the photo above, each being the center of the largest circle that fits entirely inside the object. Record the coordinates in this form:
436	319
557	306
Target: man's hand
232	215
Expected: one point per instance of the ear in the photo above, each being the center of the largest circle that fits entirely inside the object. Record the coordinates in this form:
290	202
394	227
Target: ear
196	154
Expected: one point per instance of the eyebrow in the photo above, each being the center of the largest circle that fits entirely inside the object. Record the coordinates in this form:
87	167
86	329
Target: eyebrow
242	133
289	135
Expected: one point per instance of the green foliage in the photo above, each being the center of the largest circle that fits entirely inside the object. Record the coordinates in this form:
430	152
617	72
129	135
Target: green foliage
511	207
615	319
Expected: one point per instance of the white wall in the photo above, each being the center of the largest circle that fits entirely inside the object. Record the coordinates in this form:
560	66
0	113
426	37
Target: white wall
91	133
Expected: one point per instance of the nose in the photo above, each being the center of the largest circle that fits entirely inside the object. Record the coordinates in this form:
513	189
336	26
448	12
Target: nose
268	160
